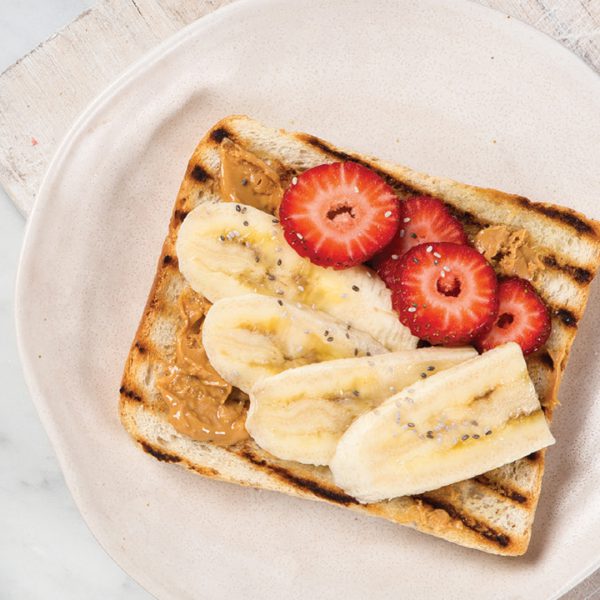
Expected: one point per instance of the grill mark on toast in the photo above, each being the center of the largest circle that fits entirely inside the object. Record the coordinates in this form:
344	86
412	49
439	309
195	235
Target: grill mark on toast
503	490
478	527
547	360
333	495
542	360
465	217
206	471
169	260
179	215
159	454
124	391
200	174
565	315
557	214
219	134
314	487
344	156
141	348
580	275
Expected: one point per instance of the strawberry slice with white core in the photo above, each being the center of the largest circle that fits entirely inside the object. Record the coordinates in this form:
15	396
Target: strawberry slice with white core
339	215
422	219
522	318
445	293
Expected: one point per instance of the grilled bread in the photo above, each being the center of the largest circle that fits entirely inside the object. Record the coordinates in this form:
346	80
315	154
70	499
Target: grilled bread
492	512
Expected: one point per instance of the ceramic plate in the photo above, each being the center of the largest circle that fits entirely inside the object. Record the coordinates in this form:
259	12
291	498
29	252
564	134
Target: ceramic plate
446	87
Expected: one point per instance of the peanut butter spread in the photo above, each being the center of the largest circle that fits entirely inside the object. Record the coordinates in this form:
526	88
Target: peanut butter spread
201	404
434	518
511	250
551	396
247	179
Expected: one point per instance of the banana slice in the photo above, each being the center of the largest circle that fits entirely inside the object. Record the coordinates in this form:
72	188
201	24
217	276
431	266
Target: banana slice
226	249
250	337
301	413
462	422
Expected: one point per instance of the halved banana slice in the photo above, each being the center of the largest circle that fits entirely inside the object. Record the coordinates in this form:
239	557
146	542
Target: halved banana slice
226	249
250	337
301	413
462	422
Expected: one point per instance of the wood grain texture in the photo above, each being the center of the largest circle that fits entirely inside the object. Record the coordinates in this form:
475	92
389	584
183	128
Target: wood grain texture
574	23
42	94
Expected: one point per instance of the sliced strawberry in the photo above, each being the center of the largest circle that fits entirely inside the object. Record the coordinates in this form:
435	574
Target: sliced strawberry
522	317
445	293
422	219
339	215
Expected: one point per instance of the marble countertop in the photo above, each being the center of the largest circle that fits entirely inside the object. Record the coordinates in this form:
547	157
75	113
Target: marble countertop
46	550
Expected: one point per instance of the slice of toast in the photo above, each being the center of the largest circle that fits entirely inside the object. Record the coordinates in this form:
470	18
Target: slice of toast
493	512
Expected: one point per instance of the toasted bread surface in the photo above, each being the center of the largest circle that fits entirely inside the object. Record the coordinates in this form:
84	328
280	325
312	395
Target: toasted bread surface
493	512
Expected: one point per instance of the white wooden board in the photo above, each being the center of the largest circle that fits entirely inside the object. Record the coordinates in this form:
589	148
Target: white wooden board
42	94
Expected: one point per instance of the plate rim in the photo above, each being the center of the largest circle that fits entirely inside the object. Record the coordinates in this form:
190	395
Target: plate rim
43	200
